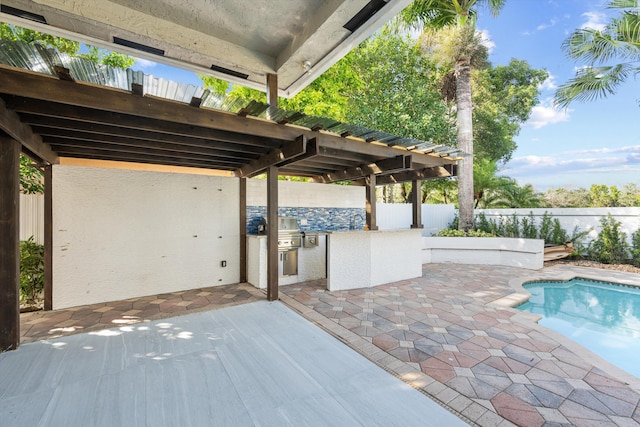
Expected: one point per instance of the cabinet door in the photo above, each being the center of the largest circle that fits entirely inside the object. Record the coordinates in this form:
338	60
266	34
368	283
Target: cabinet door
290	263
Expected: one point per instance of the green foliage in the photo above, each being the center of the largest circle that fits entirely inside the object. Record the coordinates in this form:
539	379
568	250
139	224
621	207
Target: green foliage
619	40
70	47
635	248
503	97
31	270
461	233
604	197
529	230
610	247
31	180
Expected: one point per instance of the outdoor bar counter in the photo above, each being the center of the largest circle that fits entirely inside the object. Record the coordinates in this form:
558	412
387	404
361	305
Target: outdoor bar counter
362	259
354	259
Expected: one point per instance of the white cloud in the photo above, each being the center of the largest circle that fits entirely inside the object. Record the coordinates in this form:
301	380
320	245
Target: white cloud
486	41
544	26
144	63
546	113
595	20
549	83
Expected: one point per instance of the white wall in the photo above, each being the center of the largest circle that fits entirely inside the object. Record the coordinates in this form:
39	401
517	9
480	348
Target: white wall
394	216
307	195
357	259
523	253
119	234
584	218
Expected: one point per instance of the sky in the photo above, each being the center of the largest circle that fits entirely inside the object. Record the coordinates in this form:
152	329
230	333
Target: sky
585	144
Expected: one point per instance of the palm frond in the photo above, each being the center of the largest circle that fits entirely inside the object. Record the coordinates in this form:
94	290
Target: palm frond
593	83
623	4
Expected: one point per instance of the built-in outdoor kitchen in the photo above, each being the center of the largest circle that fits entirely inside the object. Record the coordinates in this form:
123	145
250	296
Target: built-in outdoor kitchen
321	234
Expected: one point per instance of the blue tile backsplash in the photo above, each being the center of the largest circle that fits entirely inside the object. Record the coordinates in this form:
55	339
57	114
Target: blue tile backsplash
318	219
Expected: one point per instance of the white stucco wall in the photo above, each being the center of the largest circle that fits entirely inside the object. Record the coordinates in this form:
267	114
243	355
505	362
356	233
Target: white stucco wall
120	234
362	259
307	194
523	253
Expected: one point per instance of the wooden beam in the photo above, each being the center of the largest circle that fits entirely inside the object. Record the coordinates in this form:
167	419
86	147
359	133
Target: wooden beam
272	233
416	203
48	237
272	90
422	174
54	126
289	151
243	229
31	85
61	111
9	244
310	152
57	137
88	147
371	202
10	123
394	164
137	158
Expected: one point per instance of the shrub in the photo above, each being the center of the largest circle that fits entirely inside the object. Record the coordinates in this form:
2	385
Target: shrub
610	247
461	233
635	248
31	270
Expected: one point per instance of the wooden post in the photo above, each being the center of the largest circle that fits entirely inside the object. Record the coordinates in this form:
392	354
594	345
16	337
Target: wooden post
416	200
48	237
272	233
370	185
243	230
9	244
272	90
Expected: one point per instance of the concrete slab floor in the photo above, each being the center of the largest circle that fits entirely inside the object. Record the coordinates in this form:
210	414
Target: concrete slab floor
252	364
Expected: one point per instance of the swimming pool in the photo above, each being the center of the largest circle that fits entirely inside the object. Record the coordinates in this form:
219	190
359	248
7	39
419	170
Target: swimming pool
603	317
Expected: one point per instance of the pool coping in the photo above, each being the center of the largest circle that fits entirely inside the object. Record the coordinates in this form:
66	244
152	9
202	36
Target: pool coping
564	274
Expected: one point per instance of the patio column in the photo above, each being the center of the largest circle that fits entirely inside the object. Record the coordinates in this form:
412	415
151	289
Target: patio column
272	206
48	237
370	185
272	233
9	244
416	201
243	230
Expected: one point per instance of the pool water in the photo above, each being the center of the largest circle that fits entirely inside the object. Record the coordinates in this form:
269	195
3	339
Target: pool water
603	317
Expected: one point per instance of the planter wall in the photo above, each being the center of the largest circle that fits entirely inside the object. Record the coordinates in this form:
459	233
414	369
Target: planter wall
523	253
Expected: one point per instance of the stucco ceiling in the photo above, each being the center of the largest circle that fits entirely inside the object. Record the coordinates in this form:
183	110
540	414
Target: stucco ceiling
243	40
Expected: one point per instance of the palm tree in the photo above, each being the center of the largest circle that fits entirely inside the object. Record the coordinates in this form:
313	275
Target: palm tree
620	39
460	14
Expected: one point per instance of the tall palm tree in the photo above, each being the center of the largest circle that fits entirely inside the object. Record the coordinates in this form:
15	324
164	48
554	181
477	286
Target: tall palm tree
619	40
460	14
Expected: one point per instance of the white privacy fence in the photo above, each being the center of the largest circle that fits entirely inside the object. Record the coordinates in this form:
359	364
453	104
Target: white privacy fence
586	219
391	216
32	217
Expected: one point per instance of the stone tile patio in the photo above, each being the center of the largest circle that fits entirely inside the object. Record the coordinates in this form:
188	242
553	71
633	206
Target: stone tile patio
448	334
445	334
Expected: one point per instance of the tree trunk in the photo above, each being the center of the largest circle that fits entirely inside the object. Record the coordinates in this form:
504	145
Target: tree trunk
465	142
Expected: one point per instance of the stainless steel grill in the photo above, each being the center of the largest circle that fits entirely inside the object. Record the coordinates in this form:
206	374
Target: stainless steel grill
289	235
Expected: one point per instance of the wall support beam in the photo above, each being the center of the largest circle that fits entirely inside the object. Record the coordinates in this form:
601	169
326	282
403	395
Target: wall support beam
9	244
48	237
243	230
370	184
272	90
416	202
272	233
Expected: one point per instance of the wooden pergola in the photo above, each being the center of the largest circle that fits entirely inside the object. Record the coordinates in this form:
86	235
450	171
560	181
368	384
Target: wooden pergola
49	117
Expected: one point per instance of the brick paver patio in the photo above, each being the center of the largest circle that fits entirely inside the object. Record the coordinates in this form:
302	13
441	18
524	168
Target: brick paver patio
443	333
492	364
